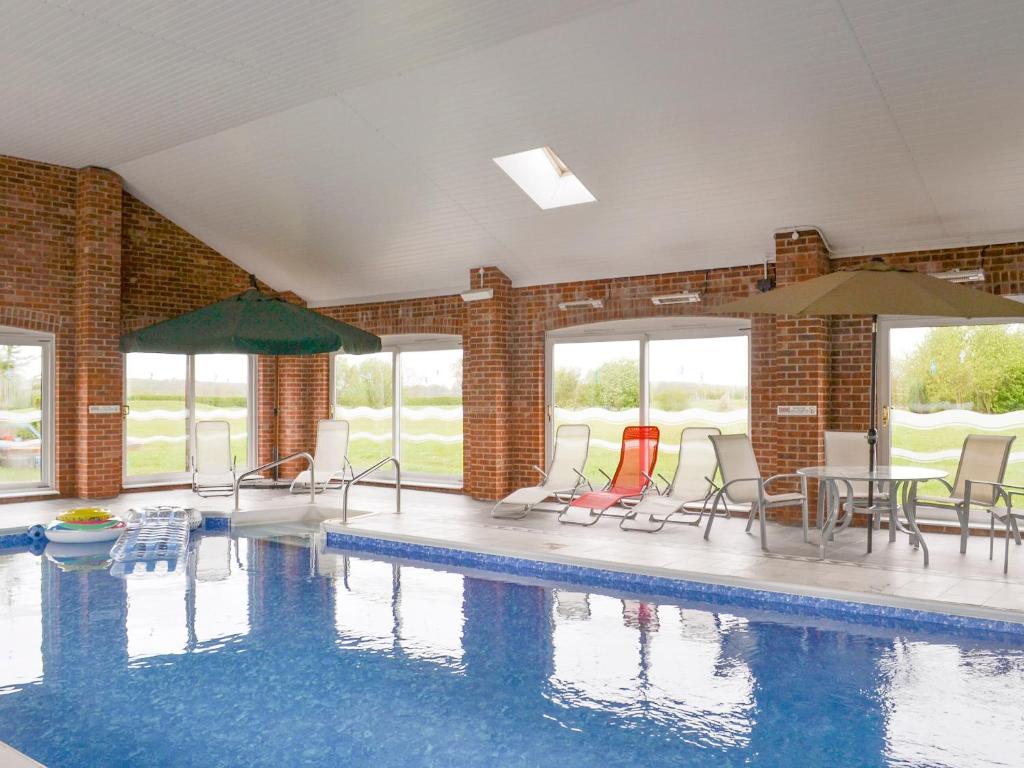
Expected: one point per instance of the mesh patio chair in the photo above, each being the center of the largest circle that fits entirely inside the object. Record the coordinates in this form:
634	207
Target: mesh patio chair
689	492
983	460
213	466
330	459
742	484
849	449
563	478
637	457
1008	515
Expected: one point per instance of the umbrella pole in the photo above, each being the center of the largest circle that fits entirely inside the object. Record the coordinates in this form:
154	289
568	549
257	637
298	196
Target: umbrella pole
277	419
872	431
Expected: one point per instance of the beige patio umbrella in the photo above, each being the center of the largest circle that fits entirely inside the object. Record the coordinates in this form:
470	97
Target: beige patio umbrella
874	289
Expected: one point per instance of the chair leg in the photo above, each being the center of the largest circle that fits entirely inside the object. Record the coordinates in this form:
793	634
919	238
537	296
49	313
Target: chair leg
653	525
762	508
712	516
1006	546
750	517
593	518
991	533
965	530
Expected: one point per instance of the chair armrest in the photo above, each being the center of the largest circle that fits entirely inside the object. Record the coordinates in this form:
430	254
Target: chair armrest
787	476
583	479
949	486
609	483
542	472
650	481
1004	491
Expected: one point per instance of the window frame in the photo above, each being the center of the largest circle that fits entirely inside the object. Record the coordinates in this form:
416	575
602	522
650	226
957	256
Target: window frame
178	478
396	345
659	330
47	386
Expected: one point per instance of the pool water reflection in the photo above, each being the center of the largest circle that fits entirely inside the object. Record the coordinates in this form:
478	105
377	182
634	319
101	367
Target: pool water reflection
272	652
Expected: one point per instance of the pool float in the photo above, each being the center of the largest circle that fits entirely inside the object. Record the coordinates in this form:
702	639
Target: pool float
84	525
79	557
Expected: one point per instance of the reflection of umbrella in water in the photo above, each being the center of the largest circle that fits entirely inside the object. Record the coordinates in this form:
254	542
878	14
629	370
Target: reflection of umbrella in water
874	289
252	323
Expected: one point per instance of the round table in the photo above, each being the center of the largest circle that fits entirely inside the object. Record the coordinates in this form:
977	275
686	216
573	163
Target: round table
901	480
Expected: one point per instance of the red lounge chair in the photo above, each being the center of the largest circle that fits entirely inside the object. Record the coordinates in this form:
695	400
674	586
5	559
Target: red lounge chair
637	458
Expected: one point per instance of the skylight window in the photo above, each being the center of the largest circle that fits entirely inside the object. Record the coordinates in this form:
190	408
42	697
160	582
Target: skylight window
545	178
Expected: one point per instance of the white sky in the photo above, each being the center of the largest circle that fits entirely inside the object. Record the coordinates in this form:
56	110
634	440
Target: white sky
213	368
721	360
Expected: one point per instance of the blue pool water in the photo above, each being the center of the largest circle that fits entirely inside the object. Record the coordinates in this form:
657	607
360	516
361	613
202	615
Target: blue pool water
268	652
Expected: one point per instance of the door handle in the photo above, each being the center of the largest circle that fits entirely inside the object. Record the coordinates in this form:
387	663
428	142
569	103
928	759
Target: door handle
125	409
885	415
550	412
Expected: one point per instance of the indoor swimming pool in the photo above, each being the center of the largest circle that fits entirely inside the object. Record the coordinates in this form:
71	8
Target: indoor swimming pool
270	651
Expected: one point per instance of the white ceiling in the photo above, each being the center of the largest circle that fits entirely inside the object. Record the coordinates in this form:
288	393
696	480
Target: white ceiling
343	149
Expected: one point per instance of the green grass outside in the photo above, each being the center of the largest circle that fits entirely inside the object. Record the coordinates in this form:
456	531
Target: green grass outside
418	458
157	458
18	474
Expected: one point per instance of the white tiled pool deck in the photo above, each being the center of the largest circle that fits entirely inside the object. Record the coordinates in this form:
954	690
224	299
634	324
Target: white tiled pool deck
893	574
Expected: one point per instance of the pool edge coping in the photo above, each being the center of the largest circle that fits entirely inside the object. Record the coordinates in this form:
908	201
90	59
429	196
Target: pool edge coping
674	582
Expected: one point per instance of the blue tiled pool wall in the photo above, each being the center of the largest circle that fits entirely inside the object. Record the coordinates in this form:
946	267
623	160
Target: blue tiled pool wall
660	586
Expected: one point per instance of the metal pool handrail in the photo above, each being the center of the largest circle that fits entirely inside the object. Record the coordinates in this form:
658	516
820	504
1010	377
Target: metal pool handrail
364	473
270	465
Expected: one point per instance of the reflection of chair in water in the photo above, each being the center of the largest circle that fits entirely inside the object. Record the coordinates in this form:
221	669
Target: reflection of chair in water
637	614
213	466
574	606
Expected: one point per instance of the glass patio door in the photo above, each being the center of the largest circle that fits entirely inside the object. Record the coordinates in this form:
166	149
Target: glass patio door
946	381
404	402
26	411
596	383
167	394
669	379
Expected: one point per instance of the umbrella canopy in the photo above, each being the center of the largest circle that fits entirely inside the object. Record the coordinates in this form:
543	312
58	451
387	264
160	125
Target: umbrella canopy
876	289
251	323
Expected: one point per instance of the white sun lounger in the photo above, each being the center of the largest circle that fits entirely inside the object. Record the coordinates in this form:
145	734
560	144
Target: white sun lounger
563	478
213	466
330	460
690	489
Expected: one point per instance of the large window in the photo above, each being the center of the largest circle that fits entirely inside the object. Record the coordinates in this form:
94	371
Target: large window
404	402
947	381
26	411
673	379
167	394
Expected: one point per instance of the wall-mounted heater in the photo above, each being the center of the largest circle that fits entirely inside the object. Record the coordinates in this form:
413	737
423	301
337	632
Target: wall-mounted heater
581	304
962	275
477	294
686	297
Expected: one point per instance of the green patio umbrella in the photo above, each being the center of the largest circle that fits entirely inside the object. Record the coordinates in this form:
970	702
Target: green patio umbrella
874	289
251	323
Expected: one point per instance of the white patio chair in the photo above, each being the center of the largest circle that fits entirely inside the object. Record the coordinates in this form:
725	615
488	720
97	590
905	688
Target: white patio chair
743	486
690	490
213	466
1008	514
563	478
330	459
983	460
849	449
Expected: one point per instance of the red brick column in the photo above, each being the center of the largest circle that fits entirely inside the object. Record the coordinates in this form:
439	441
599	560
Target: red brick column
487	373
801	368
98	361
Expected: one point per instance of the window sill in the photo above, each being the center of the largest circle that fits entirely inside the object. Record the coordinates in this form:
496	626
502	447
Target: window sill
17	494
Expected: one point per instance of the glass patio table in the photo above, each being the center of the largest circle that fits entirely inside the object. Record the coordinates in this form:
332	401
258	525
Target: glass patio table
836	484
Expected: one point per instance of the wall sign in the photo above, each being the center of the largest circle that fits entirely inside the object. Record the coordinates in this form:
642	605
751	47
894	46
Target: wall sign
797	410
104	409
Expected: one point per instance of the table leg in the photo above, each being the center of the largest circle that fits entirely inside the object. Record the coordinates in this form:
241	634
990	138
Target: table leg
871	525
832	511
912	519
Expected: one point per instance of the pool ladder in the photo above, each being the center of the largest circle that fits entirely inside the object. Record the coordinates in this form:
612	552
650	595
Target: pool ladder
364	473
312	479
276	463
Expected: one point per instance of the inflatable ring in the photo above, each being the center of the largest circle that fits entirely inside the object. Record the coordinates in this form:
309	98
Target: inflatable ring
63	533
85	514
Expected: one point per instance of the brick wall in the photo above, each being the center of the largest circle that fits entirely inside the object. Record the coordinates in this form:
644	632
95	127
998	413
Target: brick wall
59	237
